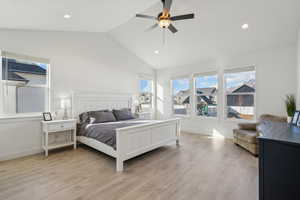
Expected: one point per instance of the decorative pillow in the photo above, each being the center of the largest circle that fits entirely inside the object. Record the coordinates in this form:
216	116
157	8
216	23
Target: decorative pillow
102	116
123	114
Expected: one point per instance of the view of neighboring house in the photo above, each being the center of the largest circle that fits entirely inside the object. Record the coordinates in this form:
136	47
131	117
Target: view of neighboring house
21	84
206	102
240	101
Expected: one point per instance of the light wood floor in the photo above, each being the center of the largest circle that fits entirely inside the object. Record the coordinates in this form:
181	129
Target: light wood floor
202	169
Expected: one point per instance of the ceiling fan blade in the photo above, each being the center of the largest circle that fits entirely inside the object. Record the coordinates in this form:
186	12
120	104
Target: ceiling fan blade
152	27
183	17
172	28
167	5
146	16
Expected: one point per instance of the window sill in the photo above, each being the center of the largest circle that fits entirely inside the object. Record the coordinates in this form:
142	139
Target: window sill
183	116
206	118
240	120
20	117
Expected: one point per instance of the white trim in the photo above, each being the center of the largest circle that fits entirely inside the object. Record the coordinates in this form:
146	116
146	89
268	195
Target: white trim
21	117
240	69
211	73
22	153
24	57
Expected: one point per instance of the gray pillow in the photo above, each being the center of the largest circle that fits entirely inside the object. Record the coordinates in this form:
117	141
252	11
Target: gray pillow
85	117
123	114
102	116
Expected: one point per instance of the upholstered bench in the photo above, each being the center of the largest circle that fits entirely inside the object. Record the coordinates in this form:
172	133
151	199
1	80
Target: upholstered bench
247	133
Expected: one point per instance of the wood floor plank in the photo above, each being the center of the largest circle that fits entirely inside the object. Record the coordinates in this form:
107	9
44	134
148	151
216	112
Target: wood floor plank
202	168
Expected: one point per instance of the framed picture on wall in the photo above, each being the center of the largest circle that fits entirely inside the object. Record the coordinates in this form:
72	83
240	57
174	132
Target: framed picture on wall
295	120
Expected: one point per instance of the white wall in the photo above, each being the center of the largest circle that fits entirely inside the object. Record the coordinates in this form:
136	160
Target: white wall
80	62
275	77
298	71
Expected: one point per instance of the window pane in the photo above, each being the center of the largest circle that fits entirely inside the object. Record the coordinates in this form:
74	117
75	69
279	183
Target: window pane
24	72
18	95
145	95
181	96
206	95
25	101
240	90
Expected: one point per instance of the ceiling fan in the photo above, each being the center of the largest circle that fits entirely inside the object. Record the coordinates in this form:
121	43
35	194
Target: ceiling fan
164	19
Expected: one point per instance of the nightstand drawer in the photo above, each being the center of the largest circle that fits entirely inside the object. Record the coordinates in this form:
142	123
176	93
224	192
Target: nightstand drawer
61	126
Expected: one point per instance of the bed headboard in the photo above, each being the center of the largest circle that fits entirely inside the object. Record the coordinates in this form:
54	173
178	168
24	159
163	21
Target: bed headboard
89	101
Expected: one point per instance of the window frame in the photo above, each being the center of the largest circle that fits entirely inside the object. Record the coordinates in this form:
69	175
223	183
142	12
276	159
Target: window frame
190	80
46	86
237	70
147	78
195	76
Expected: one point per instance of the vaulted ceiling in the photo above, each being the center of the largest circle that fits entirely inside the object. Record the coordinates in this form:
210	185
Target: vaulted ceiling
215	32
86	15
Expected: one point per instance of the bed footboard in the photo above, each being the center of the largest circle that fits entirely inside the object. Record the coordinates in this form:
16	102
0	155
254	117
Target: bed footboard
136	140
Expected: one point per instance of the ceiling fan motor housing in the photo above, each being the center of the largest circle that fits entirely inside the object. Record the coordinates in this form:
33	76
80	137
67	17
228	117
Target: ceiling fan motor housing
164	19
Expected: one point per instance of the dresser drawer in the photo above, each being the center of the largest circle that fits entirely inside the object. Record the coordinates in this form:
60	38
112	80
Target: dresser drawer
61	126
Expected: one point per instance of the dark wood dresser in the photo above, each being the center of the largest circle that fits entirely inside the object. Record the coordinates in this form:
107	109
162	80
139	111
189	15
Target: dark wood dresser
279	162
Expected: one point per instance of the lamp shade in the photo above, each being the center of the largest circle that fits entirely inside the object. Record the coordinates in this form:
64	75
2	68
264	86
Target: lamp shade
65	103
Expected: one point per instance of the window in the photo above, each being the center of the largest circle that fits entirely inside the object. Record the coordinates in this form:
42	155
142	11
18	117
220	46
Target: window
240	93
145	95
181	96
206	93
24	84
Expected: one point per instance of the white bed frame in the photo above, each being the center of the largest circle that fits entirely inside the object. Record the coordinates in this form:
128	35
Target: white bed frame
131	141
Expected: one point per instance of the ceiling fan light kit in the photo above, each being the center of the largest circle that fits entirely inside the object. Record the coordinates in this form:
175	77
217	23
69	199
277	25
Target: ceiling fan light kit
164	19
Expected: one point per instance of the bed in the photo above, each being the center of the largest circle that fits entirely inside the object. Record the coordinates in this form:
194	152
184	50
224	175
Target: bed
132	137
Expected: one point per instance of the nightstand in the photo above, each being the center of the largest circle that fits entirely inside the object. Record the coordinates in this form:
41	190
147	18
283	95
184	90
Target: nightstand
57	127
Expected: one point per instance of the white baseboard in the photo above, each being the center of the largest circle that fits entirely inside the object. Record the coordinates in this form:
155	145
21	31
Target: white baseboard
15	155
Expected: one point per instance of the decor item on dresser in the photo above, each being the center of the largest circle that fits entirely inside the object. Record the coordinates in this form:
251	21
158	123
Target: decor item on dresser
247	133
123	137
295	118
58	127
47	116
290	104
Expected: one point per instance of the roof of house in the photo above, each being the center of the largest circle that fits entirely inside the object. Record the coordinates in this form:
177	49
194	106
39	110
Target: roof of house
14	67
245	88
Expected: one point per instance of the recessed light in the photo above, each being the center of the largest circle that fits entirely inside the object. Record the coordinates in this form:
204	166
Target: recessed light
156	52
245	26
67	16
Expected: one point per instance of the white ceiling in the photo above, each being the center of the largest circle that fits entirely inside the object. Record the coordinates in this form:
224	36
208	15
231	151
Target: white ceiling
87	15
216	31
